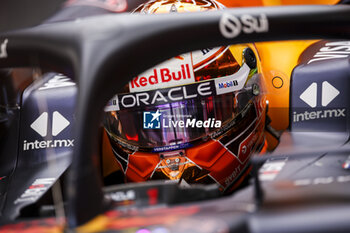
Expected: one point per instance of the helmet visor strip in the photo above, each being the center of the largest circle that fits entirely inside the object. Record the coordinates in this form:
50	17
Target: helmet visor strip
172	118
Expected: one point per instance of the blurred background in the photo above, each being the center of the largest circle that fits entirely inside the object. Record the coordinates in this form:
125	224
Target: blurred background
24	13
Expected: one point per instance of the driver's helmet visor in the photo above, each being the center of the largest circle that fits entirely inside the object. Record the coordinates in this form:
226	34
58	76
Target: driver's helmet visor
180	116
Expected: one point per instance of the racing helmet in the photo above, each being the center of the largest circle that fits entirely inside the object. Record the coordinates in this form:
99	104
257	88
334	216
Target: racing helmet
195	118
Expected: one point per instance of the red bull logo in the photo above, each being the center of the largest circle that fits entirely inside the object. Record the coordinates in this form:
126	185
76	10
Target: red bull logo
173	72
162	76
